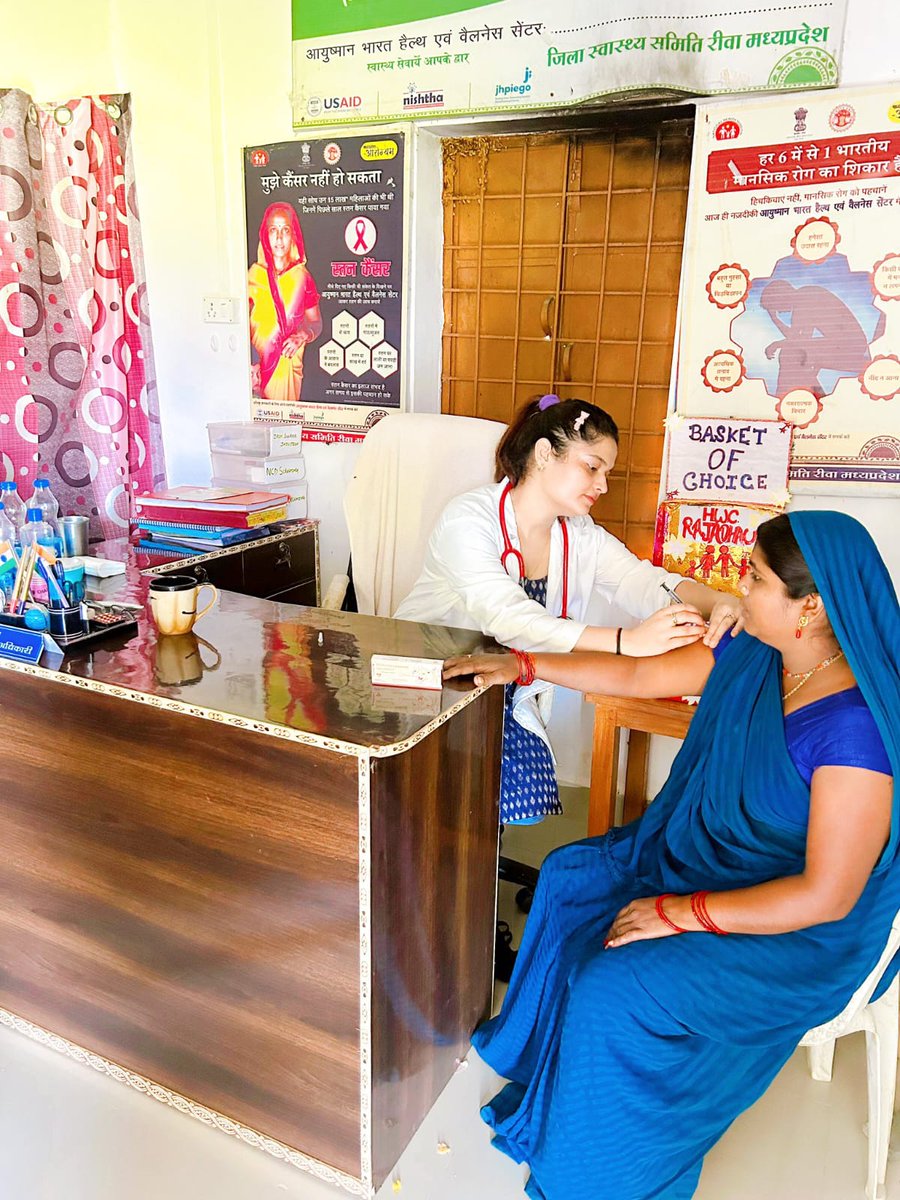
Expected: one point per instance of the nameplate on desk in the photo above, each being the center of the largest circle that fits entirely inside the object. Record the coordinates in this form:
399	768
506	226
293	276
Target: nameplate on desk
395	670
21	645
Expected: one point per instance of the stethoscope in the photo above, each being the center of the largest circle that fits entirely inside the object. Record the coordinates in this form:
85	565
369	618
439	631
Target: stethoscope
509	549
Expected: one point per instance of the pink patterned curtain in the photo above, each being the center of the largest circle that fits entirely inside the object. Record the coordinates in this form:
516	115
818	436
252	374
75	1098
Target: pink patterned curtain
78	400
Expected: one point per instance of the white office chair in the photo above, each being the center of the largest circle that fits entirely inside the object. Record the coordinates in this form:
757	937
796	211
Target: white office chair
879	1020
410	466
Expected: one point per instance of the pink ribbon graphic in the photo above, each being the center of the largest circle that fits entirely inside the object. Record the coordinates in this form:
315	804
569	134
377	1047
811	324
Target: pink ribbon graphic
360	236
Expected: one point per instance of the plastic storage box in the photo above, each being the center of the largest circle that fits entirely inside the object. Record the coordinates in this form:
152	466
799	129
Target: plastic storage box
261	472
255	439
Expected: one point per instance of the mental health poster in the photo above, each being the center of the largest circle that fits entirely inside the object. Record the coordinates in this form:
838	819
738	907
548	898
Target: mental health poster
325	282
790	300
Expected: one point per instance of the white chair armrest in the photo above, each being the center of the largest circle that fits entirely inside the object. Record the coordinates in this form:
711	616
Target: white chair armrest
335	592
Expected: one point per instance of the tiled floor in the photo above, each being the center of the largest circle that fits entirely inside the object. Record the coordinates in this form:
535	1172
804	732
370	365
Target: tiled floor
69	1133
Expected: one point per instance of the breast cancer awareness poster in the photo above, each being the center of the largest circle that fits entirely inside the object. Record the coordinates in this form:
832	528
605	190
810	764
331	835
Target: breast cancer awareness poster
325	282
790	306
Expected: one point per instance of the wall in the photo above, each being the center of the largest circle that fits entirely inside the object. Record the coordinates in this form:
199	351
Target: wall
208	77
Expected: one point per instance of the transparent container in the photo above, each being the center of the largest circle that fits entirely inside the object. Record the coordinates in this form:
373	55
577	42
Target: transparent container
7	528
263	473
43	498
36	529
256	439
13	503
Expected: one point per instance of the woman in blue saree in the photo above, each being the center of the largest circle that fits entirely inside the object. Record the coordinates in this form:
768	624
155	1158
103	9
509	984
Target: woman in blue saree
669	969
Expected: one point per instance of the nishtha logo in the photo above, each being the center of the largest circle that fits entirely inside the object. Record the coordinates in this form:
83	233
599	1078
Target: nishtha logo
416	99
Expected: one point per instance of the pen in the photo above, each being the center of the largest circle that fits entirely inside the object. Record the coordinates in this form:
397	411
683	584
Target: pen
55	590
671	593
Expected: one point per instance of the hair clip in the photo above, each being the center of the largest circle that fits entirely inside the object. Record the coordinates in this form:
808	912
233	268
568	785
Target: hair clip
546	401
580	420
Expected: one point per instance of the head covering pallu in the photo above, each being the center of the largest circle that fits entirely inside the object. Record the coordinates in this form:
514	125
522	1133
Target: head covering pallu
265	257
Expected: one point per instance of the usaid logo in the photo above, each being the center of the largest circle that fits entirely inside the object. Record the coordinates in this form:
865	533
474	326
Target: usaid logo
345	102
504	90
317	104
417	99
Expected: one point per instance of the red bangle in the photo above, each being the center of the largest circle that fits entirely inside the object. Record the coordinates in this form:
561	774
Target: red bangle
700	911
660	912
526	667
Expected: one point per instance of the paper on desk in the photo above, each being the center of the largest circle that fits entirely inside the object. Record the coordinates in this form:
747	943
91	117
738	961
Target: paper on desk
394	670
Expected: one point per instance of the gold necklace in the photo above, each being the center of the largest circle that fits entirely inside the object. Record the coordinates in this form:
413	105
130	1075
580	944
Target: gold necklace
807	675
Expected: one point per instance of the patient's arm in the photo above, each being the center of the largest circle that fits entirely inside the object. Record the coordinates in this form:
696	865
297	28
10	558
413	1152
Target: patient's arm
678	673
849	824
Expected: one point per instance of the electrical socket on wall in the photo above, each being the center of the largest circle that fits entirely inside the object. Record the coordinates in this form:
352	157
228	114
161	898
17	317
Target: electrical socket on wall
218	310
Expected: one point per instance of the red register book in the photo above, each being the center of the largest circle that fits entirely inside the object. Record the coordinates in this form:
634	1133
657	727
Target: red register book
212	506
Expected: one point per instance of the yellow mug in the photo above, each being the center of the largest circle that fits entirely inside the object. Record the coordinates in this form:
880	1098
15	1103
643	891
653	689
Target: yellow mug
173	602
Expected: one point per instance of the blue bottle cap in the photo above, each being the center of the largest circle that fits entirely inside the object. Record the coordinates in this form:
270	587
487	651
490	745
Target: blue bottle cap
34	514
42	483
6	486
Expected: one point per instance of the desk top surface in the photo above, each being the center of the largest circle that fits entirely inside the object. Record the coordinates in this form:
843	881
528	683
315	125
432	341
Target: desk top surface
282	669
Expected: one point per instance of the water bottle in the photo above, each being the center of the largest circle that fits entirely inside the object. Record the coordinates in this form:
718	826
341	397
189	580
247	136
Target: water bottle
44	499
36	529
15	506
7	529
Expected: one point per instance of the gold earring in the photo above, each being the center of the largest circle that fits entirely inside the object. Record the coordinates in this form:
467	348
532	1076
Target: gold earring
802	622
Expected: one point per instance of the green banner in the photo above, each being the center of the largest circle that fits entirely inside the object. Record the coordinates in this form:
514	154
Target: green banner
385	60
310	20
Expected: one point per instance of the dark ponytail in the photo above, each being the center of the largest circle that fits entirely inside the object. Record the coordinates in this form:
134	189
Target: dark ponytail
783	554
556	423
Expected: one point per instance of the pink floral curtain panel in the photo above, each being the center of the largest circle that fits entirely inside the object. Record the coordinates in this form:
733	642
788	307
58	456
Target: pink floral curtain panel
78	401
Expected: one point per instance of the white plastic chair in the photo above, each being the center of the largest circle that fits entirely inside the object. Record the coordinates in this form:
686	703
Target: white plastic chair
410	466
879	1021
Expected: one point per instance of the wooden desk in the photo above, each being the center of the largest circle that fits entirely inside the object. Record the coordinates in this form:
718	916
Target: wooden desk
670	718
248	883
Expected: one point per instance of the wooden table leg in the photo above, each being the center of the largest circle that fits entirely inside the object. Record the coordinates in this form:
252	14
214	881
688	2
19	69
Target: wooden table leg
636	775
602	805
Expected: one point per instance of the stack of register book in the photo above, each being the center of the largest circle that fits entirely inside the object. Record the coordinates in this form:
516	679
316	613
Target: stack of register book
188	520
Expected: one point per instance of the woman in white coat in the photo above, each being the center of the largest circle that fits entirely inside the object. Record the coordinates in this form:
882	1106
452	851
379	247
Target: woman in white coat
521	559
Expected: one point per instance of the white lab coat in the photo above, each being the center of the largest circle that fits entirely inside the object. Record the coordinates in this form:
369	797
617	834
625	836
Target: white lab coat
464	585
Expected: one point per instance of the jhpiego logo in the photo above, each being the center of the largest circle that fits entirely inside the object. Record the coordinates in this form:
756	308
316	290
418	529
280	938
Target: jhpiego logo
514	89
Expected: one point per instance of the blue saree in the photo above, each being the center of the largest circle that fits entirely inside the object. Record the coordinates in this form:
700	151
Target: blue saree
627	1065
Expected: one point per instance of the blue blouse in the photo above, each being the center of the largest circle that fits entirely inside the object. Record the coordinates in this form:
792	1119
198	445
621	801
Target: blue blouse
834	731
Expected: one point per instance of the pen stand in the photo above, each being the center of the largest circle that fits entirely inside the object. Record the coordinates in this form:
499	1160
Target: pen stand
66	623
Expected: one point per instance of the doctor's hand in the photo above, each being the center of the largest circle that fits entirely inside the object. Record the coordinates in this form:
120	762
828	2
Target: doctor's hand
725	618
487	669
672	627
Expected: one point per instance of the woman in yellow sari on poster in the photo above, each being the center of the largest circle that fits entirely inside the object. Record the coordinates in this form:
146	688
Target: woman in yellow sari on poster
284	306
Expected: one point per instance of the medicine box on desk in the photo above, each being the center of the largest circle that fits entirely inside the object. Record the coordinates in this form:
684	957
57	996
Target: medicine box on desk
256	439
